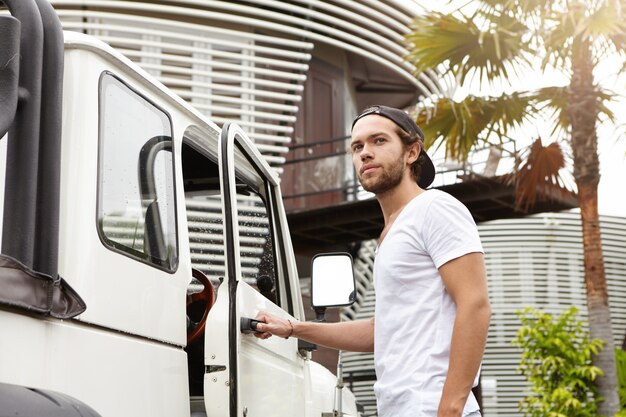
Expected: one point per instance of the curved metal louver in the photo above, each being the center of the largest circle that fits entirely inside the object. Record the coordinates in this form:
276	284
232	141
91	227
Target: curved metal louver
245	61
360	366
535	261
206	235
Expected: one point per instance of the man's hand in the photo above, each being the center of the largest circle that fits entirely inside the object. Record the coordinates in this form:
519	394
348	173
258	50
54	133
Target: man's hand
272	325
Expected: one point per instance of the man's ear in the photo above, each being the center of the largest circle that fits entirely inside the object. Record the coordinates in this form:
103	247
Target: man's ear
413	152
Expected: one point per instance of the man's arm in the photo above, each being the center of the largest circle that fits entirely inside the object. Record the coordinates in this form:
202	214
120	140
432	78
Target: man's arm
355	336
466	282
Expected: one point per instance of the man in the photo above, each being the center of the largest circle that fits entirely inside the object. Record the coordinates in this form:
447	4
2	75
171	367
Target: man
432	309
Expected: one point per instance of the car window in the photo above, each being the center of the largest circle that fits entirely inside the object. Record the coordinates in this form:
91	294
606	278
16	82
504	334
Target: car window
136	212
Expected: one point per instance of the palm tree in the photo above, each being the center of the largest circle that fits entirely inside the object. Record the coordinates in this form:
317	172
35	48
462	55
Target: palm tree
492	42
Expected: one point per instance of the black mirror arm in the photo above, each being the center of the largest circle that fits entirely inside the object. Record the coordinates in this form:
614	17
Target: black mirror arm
320	314
304	346
320	317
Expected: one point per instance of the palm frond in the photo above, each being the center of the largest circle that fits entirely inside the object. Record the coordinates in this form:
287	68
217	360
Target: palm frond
519	8
618	45
600	23
556	100
558	39
604	96
538	177
510	111
461	125
459	44
606	28
605	22
619	39
452	124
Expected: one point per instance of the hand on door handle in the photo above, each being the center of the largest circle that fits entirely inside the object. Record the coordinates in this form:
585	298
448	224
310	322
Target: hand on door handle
248	325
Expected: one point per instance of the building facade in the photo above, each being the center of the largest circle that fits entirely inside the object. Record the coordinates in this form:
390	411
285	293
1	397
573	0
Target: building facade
289	72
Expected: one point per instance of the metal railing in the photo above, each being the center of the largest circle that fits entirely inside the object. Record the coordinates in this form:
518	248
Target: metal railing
487	160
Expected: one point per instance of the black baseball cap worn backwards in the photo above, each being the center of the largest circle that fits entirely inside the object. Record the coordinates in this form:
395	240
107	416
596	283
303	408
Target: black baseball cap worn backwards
406	123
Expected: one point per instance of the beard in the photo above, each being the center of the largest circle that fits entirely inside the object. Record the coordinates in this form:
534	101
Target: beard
388	179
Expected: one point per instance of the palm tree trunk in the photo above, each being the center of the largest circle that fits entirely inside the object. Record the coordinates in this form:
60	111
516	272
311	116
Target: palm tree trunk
597	299
583	113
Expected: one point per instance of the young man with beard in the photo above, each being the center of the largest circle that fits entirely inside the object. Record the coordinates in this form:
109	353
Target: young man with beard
432	310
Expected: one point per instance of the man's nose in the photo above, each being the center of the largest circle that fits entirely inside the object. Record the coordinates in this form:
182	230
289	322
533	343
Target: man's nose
366	152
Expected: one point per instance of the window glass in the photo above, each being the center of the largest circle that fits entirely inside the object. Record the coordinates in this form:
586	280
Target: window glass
255	238
206	238
136	204
203	201
256	242
206	234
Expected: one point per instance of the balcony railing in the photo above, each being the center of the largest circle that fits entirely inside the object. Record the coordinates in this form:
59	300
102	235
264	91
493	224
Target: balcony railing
488	160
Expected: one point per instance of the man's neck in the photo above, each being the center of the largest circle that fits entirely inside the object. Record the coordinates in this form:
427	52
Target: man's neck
393	201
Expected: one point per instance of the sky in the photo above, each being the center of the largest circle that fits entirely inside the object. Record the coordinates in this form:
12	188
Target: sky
612	151
611	138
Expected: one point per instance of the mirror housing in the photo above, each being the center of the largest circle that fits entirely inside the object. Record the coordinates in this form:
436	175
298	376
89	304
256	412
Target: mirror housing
332	282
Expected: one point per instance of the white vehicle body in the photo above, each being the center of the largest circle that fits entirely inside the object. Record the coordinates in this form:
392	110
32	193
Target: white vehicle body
125	354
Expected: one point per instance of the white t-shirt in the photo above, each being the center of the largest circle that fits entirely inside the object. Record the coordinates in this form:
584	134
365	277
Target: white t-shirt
414	313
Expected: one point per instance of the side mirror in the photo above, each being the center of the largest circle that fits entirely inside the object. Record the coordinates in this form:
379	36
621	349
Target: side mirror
332	281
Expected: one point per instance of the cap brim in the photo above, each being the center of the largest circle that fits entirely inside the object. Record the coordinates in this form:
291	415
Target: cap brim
427	175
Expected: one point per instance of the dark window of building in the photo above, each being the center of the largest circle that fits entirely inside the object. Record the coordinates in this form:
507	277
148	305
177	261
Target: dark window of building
309	181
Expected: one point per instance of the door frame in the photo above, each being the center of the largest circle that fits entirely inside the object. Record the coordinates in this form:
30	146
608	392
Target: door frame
232	135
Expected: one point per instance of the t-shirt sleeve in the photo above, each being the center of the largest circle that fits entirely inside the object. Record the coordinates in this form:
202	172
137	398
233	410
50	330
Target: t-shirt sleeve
449	231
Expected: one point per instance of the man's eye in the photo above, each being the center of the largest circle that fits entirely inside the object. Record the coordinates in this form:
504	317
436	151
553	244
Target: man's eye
380	140
357	148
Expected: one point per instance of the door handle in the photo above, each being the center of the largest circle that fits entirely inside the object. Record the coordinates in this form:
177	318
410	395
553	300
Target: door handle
248	325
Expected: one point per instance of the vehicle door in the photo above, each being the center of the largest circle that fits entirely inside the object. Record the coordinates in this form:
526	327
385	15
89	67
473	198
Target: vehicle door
257	377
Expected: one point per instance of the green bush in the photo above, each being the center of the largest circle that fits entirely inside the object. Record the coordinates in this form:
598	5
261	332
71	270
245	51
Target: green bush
620	361
556	360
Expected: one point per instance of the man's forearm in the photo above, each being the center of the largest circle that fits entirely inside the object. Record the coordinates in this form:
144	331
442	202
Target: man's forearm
355	336
468	344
